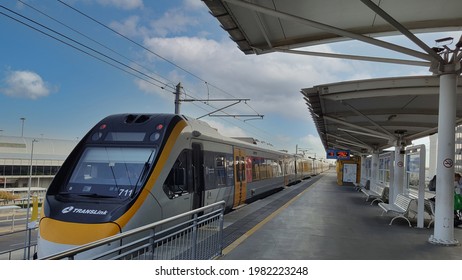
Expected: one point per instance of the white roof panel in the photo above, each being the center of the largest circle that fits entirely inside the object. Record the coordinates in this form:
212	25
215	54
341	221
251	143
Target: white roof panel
262	25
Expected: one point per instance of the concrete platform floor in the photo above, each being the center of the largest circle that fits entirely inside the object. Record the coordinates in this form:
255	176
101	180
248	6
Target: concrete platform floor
323	221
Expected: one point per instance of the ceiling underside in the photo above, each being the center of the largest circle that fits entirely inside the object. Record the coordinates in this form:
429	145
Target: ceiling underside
368	115
260	26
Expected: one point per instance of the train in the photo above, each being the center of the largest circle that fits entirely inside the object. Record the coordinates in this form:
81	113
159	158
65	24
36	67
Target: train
130	170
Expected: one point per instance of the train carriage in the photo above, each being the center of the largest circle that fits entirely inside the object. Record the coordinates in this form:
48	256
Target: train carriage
134	169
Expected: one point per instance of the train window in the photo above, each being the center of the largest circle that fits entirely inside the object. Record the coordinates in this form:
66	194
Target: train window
110	172
265	168
230	170
248	169
175	184
240	169
280	168
179	179
210	171
255	169
220	170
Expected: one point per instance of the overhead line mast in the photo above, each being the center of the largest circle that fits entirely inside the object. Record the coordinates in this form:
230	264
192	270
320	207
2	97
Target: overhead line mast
236	101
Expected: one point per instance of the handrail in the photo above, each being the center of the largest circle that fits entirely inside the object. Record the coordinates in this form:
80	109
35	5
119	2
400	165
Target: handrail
94	244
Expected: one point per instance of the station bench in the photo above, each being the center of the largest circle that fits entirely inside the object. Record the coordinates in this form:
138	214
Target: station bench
400	206
429	206
376	192
364	183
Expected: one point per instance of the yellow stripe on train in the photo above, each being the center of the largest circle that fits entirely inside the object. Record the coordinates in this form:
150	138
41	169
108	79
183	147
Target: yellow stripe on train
73	233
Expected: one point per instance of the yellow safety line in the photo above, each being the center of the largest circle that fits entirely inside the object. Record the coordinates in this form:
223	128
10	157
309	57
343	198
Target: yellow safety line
246	235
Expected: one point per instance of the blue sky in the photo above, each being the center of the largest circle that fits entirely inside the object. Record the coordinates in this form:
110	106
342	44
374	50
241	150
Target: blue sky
63	92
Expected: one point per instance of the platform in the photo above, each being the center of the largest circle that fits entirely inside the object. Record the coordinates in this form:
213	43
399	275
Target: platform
319	220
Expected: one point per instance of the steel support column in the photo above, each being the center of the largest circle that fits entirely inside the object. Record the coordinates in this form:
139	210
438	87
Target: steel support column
444	206
374	167
363	166
398	179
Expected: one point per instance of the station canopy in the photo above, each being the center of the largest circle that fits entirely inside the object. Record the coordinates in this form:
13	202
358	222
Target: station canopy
262	26
357	115
367	115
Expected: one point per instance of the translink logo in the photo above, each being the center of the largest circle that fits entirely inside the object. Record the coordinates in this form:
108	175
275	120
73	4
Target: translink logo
72	209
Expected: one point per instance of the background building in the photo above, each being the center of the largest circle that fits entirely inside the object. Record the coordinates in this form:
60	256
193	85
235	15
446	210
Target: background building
458	157
18	154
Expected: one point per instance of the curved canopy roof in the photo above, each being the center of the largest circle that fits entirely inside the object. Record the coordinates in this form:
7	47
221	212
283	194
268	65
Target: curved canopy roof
370	115
261	26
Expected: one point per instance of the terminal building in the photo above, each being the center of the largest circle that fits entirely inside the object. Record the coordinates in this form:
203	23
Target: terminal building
18	155
458	157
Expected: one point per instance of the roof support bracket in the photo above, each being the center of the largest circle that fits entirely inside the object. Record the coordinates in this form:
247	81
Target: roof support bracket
331	29
402	29
366	117
364	129
357	57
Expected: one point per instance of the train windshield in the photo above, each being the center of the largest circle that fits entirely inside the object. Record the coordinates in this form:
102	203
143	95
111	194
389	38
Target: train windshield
112	172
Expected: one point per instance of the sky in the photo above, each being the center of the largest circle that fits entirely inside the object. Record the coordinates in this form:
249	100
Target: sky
127	56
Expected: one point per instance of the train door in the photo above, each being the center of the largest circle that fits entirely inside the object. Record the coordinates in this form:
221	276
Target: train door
198	175
178	187
240	183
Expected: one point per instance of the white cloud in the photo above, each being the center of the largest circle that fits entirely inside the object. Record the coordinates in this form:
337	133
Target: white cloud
123	4
194	5
272	81
314	144
25	84
174	21
130	27
226	130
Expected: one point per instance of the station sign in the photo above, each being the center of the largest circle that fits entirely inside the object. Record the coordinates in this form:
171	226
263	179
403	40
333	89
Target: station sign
338	154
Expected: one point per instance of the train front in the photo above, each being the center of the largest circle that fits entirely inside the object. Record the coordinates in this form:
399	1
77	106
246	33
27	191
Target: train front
104	182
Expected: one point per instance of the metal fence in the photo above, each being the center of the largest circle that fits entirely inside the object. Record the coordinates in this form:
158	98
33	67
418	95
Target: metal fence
196	235
20	253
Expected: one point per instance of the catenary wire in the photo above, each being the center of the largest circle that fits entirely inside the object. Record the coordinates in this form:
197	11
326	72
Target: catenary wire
162	86
72	40
110	58
147	49
90	38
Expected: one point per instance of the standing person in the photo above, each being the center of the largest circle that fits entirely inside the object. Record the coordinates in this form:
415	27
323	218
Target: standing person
432	184
457	190
458	183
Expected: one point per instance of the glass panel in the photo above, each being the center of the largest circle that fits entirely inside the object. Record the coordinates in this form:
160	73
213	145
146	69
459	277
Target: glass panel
110	171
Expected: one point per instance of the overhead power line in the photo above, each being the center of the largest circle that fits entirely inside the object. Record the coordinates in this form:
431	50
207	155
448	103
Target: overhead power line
147	49
70	42
101	56
132	41
91	39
